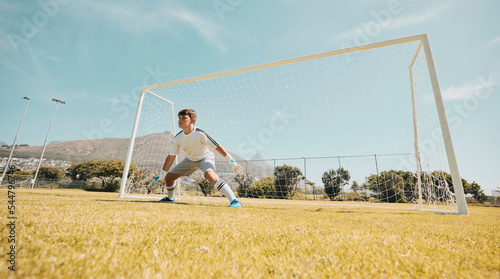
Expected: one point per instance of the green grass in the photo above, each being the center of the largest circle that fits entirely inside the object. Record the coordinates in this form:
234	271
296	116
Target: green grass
77	234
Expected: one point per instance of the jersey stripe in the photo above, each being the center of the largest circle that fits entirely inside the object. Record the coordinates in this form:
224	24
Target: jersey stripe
178	134
210	138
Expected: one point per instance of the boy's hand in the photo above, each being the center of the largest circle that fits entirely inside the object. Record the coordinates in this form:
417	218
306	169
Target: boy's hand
237	169
162	175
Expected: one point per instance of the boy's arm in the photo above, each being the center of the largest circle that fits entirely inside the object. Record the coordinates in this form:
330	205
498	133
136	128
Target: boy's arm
166	166
168	163
236	168
221	151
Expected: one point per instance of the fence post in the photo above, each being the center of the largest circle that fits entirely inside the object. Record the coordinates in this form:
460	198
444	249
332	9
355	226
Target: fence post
378	185
274	175
342	185
305	179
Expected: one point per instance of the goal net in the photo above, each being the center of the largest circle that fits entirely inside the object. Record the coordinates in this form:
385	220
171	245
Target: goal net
361	124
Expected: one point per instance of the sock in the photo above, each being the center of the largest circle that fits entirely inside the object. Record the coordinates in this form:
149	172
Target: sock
222	186
171	192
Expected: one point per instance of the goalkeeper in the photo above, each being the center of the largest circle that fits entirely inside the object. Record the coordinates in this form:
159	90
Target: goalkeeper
199	147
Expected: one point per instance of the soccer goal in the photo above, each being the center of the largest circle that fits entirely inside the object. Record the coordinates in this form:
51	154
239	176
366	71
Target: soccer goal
365	123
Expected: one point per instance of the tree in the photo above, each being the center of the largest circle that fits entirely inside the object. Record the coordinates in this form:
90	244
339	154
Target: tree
449	181
264	187
81	171
244	181
23	172
473	188
334	180
313	187
355	187
286	181
388	186
106	170
206	187
53	173
477	192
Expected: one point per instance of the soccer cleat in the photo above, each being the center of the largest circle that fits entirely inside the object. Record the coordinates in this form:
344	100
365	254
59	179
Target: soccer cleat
235	203
166	199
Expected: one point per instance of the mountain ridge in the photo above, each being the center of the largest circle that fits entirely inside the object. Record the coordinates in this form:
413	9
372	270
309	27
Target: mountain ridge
110	148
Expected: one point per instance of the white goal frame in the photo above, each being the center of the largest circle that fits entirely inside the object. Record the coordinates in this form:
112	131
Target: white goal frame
424	44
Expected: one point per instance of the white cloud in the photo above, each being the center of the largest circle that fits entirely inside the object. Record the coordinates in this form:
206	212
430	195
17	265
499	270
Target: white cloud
209	30
493	43
143	17
404	21
396	21
479	86
6	6
460	93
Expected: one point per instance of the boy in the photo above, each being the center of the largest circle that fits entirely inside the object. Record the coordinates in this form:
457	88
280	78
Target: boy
199	147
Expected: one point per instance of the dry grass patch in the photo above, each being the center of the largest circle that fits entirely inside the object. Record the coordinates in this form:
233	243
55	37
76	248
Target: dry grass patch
76	234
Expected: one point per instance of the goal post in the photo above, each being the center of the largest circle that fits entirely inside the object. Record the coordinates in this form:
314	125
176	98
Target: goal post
445	129
377	101
128	161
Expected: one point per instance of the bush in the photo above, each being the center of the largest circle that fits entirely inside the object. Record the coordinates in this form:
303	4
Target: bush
287	180
205	186
264	188
54	173
244	183
334	180
112	186
93	187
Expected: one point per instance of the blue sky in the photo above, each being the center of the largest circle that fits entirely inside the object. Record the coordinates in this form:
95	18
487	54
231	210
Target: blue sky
95	55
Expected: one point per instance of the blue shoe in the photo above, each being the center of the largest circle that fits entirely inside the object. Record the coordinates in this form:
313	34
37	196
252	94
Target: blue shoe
166	199
235	203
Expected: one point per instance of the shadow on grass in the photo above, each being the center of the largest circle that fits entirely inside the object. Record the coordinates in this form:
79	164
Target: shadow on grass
157	202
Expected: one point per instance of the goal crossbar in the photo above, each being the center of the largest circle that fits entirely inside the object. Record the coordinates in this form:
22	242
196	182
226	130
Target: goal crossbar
290	61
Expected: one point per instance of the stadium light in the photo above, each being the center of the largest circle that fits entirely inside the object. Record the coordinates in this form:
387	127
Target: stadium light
15	140
45	143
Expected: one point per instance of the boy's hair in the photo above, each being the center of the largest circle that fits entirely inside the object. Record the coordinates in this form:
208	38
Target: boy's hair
189	112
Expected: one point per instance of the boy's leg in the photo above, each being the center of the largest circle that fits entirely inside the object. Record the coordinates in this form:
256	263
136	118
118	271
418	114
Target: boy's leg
170	184
185	168
220	184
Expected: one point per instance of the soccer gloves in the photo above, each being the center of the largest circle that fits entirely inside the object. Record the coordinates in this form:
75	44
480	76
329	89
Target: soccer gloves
237	169
162	175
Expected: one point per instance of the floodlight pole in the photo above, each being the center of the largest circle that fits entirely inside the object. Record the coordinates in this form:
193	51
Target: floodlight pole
15	140
45	143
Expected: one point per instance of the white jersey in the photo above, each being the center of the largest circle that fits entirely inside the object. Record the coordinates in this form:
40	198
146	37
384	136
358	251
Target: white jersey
197	144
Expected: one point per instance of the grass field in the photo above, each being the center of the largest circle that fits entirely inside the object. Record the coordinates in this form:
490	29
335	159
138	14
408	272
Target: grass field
77	234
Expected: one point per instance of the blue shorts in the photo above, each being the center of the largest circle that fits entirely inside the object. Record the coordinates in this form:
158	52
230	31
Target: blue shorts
187	167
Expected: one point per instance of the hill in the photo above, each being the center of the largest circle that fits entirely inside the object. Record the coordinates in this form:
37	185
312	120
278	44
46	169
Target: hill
109	148
77	151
